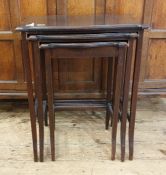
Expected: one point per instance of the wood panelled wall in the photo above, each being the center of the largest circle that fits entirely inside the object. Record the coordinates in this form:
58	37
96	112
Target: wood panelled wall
90	72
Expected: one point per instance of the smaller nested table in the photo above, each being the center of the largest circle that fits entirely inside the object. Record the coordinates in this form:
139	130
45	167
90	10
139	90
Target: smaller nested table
37	40
81	50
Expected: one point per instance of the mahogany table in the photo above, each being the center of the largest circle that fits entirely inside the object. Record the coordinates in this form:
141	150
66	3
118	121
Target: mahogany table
129	38
55	25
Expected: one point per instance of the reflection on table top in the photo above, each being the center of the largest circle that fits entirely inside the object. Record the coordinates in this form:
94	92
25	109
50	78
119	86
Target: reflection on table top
79	22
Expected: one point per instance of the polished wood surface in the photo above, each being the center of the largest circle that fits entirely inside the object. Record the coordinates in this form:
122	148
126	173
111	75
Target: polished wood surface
13	12
61	53
80	50
80	22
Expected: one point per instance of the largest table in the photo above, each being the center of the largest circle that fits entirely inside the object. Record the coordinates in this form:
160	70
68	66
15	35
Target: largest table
48	25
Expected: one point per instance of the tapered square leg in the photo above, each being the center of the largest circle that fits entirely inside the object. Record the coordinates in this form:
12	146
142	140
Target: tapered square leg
50	94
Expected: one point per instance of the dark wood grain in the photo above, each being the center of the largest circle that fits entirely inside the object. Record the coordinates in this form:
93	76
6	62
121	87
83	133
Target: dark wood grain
137	65
28	74
116	98
50	94
125	97
38	85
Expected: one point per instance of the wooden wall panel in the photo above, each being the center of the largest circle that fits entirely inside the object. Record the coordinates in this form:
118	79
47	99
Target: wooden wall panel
153	74
4	15
83	72
159	14
100	7
79	7
51	7
87	76
156	68
125	7
33	8
80	75
11	68
61	7
7	64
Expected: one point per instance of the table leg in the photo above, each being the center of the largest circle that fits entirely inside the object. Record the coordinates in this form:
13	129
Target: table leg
50	94
42	60
113	85
109	90
39	96
28	75
44	91
34	82
125	97
136	73
117	95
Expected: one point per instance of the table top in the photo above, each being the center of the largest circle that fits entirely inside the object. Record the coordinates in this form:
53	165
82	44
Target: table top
89	22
